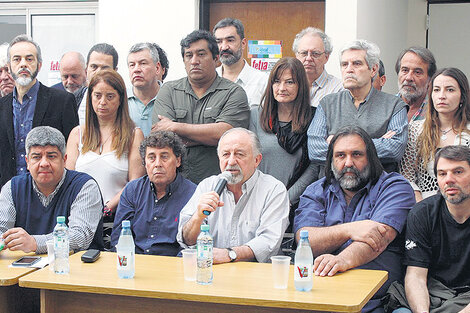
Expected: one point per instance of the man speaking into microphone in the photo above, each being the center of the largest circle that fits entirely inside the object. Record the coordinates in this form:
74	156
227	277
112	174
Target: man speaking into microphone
249	218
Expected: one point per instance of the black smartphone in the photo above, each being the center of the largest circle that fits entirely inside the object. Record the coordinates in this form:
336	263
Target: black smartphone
91	256
26	261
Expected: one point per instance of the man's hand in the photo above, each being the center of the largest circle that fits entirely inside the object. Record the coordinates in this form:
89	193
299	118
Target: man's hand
220	255
209	201
164	124
328	264
18	239
389	134
369	232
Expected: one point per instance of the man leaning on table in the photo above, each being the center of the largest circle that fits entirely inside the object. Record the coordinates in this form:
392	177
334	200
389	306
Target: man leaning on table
437	250
153	202
355	214
31	202
249	218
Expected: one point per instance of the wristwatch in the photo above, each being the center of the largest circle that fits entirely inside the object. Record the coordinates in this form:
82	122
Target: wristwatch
232	254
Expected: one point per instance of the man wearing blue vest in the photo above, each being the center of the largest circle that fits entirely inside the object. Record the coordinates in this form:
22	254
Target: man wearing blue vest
31	202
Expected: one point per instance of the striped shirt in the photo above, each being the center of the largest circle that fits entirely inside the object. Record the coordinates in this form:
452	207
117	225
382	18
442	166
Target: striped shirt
85	213
324	85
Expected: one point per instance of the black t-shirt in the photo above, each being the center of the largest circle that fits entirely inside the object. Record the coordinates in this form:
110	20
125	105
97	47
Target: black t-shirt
434	240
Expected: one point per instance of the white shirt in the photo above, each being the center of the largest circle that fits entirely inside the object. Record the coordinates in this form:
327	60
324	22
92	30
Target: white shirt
324	85
258	220
82	109
253	81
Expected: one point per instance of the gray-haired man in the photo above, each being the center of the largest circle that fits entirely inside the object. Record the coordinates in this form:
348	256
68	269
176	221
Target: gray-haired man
144	67
313	47
31	202
381	115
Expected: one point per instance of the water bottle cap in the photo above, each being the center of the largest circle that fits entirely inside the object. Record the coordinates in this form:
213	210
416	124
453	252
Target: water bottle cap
60	219
205	227
126	223
304	234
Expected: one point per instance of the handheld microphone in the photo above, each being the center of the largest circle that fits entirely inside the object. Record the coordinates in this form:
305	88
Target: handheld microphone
223	179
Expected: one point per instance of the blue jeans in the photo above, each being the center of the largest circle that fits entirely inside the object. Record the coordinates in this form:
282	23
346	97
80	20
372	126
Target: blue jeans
402	310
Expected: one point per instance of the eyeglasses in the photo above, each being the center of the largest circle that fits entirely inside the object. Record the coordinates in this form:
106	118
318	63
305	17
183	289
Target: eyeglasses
313	54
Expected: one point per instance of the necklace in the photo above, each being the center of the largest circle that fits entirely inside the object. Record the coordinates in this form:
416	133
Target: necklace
444	133
101	146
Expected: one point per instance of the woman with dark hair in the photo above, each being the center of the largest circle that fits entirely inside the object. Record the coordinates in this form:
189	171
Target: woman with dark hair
107	146
447	123
281	125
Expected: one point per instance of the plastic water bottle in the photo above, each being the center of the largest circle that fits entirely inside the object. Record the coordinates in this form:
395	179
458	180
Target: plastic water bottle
204	256
303	264
61	247
125	252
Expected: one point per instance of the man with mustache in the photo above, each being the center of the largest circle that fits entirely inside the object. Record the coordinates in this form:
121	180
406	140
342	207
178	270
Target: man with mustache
313	47
437	253
73	75
30	104
230	36
6	81
415	66
356	213
153	202
381	115
200	107
249	218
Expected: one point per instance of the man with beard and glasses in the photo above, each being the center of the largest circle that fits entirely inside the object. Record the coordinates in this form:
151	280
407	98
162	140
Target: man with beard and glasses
230	36
415	66
249	218
73	75
153	202
6	81
381	115
356	213
30	104
200	107
437	250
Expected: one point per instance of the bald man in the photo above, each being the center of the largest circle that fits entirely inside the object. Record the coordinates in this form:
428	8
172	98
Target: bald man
73	74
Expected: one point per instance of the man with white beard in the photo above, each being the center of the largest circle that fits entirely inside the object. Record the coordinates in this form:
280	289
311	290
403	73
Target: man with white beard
415	66
248	219
230	36
30	104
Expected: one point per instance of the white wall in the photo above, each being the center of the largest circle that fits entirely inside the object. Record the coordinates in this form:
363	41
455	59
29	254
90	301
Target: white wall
124	23
392	25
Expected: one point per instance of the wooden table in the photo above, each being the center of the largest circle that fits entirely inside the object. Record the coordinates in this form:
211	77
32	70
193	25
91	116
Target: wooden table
12	297
159	286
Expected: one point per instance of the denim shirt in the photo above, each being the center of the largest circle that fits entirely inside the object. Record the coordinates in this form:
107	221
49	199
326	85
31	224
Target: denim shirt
22	123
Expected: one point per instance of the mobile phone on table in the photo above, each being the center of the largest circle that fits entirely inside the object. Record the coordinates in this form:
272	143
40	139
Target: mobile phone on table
26	261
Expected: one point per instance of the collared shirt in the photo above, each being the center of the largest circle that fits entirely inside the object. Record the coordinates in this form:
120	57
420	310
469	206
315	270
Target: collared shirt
81	110
85	213
223	101
324	85
421	113
252	80
371	115
388	201
258	220
140	113
23	114
154	222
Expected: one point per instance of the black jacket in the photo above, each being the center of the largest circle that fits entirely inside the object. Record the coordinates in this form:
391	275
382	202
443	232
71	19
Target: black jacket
54	108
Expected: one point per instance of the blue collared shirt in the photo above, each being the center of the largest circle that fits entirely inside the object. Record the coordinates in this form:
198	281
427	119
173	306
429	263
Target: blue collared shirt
154	223
388	201
23	122
140	113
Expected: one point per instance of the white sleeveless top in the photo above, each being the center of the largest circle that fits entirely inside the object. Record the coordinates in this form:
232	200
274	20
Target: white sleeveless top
110	173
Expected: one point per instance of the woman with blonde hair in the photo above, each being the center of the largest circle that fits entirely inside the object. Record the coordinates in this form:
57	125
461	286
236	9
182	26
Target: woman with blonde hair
107	146
447	123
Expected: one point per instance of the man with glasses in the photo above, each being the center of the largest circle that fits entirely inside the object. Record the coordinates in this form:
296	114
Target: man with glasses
313	47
